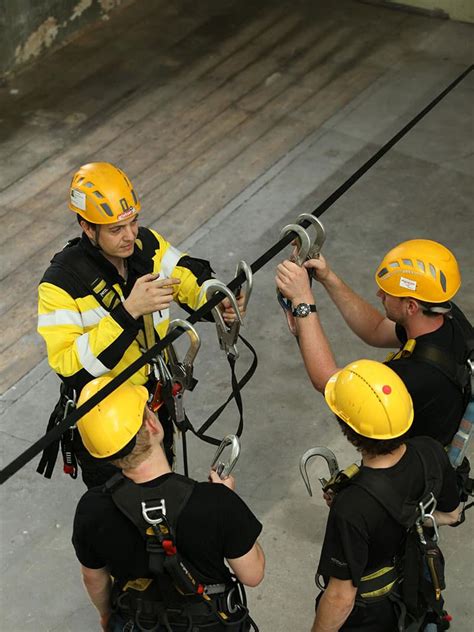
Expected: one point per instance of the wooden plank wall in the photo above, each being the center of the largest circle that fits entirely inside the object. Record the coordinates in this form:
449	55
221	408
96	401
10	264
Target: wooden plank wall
193	100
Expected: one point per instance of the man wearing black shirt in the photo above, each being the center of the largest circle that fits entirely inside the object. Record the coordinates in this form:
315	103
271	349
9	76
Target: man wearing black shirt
214	526
375	412
417	280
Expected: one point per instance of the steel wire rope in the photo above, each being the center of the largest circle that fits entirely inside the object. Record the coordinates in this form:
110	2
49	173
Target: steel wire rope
54	434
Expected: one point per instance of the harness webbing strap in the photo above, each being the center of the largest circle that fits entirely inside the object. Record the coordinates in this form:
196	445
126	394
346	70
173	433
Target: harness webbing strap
237	386
205	309
379	583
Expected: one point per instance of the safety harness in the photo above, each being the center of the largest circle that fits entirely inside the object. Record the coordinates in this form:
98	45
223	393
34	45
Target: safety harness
459	372
176	593
415	578
85	273
168	380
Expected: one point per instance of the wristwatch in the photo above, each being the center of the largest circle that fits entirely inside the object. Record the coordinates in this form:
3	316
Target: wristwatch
303	309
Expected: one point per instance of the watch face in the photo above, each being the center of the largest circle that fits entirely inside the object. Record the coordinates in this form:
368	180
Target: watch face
302	310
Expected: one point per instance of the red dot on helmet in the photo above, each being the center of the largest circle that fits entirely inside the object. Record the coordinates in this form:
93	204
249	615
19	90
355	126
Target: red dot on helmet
387	389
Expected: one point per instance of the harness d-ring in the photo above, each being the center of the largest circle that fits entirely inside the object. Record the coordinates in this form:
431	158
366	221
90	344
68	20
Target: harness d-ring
324	453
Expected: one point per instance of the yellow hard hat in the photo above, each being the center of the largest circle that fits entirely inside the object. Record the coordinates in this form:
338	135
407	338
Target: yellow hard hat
102	194
420	268
113	423
370	398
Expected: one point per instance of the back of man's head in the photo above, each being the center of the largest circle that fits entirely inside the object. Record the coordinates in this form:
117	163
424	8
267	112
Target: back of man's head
372	404
421	269
110	430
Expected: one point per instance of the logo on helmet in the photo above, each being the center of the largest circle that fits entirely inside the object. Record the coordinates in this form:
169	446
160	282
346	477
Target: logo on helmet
408	284
78	199
128	213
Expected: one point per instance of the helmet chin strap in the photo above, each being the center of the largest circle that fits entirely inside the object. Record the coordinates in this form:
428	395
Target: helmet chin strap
443	308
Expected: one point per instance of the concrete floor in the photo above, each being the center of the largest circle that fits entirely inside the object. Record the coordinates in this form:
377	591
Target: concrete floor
422	188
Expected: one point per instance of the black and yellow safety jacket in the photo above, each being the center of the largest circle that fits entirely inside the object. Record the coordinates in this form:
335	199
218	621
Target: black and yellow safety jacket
88	332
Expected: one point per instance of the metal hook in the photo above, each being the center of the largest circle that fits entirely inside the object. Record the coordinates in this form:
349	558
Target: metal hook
244	267
227	335
182	371
320	236
327	455
224	468
304	239
427	509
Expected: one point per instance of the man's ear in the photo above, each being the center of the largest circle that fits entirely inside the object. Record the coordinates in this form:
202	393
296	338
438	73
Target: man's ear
152	422
412	306
88	229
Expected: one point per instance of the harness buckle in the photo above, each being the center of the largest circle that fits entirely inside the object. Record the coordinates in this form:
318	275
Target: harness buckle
146	511
224	468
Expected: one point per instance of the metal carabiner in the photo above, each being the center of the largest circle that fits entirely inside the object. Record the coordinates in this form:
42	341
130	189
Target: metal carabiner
161	371
182	371
427	509
320	236
324	453
227	335
224	468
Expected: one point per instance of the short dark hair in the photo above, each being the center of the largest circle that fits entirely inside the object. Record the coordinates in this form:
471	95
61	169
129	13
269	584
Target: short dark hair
81	219
374	447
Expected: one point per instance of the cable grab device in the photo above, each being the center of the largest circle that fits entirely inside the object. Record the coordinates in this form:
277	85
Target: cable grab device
54	434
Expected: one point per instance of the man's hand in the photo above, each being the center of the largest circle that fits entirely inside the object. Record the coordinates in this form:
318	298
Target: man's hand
328	497
150	294
319	267
228	482
293	282
104	621
228	313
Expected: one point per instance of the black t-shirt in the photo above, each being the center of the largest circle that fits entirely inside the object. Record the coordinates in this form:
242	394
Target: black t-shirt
437	402
362	537
214	524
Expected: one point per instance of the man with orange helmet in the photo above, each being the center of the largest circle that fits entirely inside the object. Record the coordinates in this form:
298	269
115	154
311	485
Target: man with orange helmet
369	583
106	296
417	280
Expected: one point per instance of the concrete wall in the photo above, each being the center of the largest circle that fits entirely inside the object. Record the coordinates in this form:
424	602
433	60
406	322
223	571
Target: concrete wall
28	28
461	10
